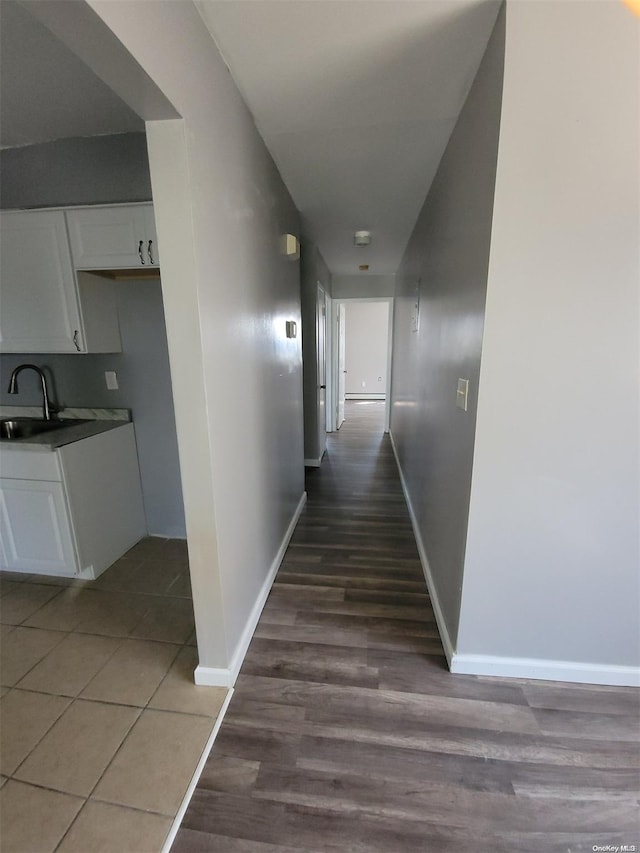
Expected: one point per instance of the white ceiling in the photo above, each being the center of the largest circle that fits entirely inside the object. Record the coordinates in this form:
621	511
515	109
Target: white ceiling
356	100
47	92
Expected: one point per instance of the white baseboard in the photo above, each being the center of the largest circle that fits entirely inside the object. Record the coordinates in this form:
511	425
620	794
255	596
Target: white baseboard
217	677
512	667
365	396
211	676
313	463
440	621
175	826
169	534
546	670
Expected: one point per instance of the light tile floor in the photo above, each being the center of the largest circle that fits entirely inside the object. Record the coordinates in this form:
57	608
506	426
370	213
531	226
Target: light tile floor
101	726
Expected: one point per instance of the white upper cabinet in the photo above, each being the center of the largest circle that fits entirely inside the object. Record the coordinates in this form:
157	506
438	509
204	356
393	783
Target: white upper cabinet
119	237
45	307
37	284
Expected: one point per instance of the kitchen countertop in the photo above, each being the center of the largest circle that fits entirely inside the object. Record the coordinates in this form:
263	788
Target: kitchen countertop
49	441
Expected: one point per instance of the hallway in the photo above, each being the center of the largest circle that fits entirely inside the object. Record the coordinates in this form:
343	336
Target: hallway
347	732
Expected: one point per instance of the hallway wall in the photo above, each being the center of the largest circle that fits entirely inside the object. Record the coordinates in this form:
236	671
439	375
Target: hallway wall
445	268
551	581
221	208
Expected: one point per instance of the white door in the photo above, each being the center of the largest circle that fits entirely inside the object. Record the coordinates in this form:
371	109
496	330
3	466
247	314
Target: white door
341	363
321	334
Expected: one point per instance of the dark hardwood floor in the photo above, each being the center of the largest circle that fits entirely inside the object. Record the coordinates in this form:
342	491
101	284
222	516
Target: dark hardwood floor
347	732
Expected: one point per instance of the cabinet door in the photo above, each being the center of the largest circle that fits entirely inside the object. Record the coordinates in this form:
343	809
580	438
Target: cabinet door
153	253
110	237
37	284
35	533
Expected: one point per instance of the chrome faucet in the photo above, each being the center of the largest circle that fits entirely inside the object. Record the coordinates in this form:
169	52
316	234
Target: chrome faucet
13	387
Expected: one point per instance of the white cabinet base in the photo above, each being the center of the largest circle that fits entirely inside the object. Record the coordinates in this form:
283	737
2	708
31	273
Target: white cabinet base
72	511
34	528
102	482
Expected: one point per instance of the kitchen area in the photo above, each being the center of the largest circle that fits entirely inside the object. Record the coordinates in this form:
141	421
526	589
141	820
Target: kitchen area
62	322
102	725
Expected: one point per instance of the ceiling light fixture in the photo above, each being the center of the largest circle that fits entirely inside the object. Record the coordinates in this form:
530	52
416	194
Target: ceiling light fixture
362	238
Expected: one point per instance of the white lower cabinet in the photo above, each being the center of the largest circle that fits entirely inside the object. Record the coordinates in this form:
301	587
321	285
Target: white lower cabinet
71	511
35	527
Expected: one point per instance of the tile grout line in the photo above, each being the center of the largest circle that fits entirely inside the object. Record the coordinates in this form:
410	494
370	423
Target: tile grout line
141	709
192	784
180	646
21	624
63	634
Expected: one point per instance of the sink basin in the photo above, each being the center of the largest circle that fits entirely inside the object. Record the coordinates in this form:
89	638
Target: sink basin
16	428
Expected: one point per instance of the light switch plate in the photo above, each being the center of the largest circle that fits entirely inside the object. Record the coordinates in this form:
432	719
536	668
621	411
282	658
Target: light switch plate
111	379
462	394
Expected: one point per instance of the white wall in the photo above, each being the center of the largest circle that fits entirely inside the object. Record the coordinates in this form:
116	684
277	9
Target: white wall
552	566
366	342
220	209
362	286
446	264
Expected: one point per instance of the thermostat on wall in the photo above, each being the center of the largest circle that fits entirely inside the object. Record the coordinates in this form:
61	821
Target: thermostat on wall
290	246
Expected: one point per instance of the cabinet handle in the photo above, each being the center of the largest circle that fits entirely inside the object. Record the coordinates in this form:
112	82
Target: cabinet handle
150	252
76	340
140	255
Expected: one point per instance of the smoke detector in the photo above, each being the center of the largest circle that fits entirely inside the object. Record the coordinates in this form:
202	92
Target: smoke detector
362	238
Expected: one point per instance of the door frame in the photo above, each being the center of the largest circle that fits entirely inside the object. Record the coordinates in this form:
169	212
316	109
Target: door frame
322	367
333	353
328	349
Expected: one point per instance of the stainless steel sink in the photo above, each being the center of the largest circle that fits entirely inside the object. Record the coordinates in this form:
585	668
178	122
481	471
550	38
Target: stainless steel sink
16	428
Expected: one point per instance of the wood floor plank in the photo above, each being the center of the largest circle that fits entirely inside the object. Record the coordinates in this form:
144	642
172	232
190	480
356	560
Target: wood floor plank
347	732
433	803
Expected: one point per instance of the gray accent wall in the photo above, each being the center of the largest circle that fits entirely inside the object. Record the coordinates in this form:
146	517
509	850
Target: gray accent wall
87	170
445	270
142	369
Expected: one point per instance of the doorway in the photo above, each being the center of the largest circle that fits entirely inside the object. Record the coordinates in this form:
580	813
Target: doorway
361	353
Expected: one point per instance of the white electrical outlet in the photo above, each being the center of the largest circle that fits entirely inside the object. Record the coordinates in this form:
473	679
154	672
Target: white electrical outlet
111	379
462	393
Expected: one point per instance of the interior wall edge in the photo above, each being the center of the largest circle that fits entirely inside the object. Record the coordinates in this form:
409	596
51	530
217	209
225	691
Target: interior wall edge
238	656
